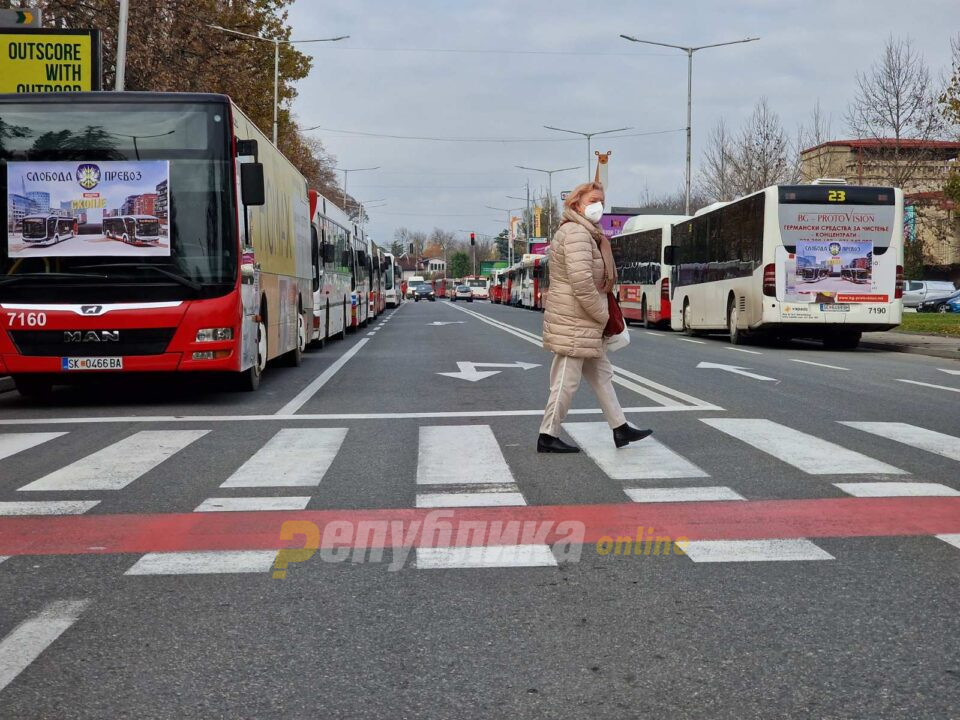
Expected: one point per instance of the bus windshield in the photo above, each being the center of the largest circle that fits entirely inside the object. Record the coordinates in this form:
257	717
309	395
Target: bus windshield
194	214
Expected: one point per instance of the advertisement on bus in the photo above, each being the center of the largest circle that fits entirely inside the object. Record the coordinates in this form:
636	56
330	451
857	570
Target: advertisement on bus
833	253
74	209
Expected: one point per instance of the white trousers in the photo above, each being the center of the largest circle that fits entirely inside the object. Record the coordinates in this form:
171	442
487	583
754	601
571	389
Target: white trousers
565	374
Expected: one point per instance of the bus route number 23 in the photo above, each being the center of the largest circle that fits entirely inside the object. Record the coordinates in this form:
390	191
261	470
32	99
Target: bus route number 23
837	196
20	319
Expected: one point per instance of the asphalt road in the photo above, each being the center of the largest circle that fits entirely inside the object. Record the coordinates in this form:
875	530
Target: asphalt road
819	497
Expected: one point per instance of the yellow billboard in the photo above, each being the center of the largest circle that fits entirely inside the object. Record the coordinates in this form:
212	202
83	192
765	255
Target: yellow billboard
46	60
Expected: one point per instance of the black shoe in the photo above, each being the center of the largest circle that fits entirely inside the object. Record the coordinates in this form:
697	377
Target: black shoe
625	434
550	444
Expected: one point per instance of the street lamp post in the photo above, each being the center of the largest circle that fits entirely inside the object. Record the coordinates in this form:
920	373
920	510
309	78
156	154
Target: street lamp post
588	136
549	189
277	42
345	172
121	69
689	51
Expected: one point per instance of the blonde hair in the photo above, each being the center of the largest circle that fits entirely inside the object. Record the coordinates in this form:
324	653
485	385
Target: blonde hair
577	194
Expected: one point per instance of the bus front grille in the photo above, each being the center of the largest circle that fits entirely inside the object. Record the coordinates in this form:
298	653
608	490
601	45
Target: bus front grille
92	343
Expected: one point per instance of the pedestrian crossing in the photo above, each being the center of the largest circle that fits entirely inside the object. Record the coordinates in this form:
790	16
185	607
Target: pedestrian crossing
466	466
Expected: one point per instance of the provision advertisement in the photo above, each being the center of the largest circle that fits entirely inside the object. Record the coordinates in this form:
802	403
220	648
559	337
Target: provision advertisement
74	209
832	253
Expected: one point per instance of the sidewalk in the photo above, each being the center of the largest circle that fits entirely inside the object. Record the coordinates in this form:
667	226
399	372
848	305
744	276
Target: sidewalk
918	343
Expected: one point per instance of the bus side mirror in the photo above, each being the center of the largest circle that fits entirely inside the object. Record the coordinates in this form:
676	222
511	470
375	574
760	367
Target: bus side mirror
669	255
251	184
329	253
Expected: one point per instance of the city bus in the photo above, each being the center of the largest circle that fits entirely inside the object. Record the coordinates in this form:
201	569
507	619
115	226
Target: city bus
133	229
377	290
741	267
530	273
643	279
392	275
479	286
334	259
361	282
36	229
234	291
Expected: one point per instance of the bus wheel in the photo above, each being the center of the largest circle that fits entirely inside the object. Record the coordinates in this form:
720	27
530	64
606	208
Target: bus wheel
249	379
294	358
733	321
35	387
687	330
643	312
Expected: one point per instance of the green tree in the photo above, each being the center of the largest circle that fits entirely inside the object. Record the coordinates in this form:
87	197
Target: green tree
502	242
459	265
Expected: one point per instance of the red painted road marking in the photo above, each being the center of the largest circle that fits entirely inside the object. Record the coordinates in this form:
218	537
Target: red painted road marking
761	519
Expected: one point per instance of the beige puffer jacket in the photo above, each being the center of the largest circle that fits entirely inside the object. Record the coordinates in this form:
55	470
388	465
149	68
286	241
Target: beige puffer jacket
575	310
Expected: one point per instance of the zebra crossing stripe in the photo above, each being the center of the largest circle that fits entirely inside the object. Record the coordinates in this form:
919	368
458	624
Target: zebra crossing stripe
648	459
936	442
688	494
460	454
807	453
248	504
117	465
12	443
755	550
952	538
473	499
30	638
488	556
212	562
897	489
47	507
294	457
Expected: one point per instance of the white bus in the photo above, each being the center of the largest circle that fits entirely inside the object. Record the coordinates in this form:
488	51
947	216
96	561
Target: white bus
820	261
643	279
133	229
47	228
334	260
391	281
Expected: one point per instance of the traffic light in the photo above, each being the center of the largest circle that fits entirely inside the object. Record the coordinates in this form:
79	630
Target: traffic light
473	239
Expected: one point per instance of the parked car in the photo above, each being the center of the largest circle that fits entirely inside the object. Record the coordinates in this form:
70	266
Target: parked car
953	305
463	292
942	304
425	291
918	291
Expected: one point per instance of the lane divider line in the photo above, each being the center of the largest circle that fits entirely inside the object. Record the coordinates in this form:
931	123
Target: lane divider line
825	365
929	385
301	398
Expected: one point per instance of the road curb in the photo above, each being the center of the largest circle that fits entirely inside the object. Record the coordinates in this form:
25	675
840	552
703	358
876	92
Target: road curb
913	349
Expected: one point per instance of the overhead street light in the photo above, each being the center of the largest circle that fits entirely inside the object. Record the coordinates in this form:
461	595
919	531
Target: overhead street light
549	186
509	244
587	136
689	51
277	42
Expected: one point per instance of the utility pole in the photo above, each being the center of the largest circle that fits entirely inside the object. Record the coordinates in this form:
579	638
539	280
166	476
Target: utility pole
550	190
120	75
689	51
345	172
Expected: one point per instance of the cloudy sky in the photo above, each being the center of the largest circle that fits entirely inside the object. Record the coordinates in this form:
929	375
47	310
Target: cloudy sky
501	69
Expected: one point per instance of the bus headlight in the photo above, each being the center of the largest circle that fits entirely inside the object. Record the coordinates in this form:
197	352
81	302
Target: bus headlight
214	334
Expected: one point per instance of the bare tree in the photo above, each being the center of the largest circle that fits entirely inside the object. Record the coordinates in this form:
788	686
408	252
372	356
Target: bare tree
896	101
950	98
811	135
716	170
761	152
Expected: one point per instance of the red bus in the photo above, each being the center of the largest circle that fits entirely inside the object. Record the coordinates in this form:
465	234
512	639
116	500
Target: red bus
227	288
643	278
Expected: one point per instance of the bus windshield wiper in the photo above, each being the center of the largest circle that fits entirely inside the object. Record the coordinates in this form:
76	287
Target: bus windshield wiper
39	276
176	277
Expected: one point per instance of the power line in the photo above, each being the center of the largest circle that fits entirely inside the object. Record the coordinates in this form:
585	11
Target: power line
483	139
491	51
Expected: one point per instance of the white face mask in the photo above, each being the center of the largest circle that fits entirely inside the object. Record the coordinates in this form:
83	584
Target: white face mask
593	212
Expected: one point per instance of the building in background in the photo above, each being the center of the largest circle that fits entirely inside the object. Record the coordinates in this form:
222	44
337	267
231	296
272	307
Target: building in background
139	204
39	201
160	206
930	216
19	207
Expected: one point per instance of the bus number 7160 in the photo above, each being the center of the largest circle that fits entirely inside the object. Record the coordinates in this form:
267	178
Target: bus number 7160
19	319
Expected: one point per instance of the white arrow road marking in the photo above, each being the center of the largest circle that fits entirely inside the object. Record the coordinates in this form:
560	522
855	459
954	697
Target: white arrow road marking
736	370
468	370
951	372
450	322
